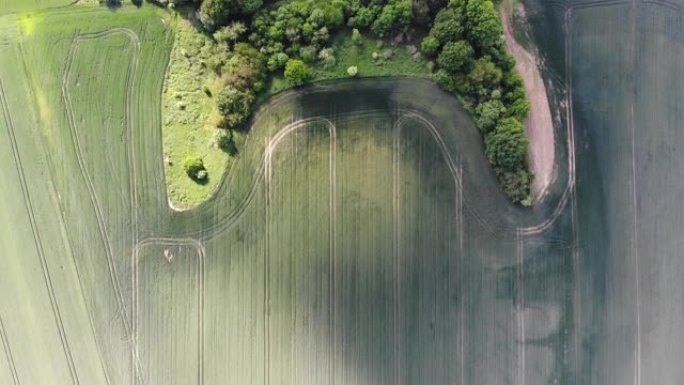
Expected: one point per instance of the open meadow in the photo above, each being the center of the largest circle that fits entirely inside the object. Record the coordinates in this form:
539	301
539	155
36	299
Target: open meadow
360	237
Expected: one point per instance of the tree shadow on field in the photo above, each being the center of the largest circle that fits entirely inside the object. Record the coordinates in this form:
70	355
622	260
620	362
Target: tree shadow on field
112	5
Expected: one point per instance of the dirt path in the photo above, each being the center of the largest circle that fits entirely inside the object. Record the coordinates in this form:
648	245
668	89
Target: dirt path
539	124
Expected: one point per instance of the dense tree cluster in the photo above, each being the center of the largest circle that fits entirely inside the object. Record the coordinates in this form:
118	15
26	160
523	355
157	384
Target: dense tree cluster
465	40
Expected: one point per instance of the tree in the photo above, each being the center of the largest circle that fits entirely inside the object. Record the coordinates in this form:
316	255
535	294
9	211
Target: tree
448	26
395	15
456	56
235	106
429	46
277	61
484	26
230	33
506	147
225	141
488	113
194	167
214	13
484	77
353	71
327	57
297	72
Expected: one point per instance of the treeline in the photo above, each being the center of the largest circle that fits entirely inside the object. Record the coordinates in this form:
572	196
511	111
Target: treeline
465	40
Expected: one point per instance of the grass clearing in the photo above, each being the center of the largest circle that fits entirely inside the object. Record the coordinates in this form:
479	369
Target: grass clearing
190	117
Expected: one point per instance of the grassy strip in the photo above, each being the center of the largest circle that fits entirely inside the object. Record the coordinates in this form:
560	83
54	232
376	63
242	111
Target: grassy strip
190	117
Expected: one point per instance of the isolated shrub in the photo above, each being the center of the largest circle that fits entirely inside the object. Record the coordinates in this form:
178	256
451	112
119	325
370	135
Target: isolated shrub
356	36
194	167
353	71
297	72
327	57
429	46
225	141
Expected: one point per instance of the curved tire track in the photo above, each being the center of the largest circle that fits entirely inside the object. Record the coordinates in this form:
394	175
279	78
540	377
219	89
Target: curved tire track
132	71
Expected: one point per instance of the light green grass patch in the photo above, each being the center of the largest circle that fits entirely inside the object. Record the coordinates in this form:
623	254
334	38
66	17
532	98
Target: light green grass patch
190	117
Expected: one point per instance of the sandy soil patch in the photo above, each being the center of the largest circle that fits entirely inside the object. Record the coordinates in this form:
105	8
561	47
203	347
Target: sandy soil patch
539	123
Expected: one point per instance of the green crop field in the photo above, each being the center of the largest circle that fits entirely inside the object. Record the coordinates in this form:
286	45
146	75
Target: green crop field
360	237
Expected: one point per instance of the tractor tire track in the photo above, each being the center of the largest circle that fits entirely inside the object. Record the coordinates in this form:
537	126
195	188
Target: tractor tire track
8	353
107	242
47	278
271	145
457	178
201	253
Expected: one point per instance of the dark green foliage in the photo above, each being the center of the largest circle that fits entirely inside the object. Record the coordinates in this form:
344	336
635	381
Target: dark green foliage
235	106
395	15
365	16
297	72
213	13
516	184
484	77
447	26
506	146
456	56
225	141
277	61
487	114
231	33
484	26
194	167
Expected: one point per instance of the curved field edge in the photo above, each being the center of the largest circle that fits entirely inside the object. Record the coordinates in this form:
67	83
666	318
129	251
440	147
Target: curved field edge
190	116
337	98
539	123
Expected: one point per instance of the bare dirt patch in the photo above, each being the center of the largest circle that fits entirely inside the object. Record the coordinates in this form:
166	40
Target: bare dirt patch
539	124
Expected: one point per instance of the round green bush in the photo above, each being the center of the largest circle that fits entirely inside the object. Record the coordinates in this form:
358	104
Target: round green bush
194	167
297	72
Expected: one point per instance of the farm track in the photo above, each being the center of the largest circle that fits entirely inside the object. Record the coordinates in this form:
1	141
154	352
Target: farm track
456	174
396	146
97	208
36	237
201	254
271	145
8	353
635	235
